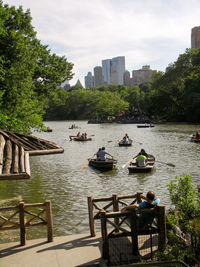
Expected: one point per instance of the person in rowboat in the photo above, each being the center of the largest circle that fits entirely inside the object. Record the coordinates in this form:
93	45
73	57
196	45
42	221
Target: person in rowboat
98	154
143	152
102	154
142	158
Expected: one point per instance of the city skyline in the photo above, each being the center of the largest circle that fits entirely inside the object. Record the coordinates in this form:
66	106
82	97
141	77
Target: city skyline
113	71
145	32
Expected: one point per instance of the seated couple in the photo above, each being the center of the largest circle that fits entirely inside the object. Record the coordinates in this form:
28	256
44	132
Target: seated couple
144	219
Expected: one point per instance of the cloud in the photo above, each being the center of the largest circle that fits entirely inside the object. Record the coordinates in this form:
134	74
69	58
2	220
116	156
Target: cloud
145	32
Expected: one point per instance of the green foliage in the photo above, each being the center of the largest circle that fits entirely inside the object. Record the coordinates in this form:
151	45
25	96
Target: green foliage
177	90
184	196
90	103
110	104
183	223
30	77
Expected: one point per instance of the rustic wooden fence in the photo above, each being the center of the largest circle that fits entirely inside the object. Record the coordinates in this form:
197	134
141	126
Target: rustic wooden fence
27	215
125	228
114	224
114	203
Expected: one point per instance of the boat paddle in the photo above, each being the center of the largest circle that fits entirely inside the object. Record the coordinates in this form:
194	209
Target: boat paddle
87	162
169	164
124	165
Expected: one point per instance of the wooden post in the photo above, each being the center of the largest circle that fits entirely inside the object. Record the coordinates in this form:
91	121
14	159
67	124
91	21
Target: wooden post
134	236
116	208
91	217
22	164
2	144
16	159
104	234
49	221
161	227
8	161
27	163
22	224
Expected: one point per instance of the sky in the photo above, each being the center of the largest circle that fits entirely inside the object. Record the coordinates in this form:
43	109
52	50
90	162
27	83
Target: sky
146	32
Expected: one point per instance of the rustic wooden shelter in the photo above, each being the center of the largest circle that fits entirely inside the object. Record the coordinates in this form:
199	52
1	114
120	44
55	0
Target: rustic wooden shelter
15	150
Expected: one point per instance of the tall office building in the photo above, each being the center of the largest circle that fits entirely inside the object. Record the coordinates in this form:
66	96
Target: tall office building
98	76
117	70
127	78
89	80
195	37
106	70
113	70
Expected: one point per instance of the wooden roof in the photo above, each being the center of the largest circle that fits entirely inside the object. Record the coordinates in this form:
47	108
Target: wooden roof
15	150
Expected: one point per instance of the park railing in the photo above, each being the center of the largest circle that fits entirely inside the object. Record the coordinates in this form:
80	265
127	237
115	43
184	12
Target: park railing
27	215
109	204
127	226
118	226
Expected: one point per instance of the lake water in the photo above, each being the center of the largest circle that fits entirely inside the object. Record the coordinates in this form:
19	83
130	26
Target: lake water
60	178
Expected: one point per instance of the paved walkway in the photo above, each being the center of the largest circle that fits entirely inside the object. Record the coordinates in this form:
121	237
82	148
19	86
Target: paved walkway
65	251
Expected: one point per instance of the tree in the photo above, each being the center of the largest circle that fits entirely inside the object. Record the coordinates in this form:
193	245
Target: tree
110	104
176	92
30	76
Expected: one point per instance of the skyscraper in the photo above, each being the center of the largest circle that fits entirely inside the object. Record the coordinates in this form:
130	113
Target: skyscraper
113	70
195	37
98	77
127	78
89	80
106	70
117	70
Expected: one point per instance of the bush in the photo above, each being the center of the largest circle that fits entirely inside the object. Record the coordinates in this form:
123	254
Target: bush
183	223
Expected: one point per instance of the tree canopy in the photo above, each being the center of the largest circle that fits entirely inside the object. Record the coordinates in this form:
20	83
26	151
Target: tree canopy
30	76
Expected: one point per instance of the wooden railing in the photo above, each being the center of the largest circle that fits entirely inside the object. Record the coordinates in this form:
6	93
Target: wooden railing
123	228
115	203
118	224
22	216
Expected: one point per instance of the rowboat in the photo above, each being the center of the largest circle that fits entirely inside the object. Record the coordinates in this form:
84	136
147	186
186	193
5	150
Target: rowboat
195	138
145	125
133	166
123	143
76	138
74	127
103	165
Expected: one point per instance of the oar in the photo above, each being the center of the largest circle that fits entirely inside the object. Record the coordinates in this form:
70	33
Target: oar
123	166
169	164
87	162
137	142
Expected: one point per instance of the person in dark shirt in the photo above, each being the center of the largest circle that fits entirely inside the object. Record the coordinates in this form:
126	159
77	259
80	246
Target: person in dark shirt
150	202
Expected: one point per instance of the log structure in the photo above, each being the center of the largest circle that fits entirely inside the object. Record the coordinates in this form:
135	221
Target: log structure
15	150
